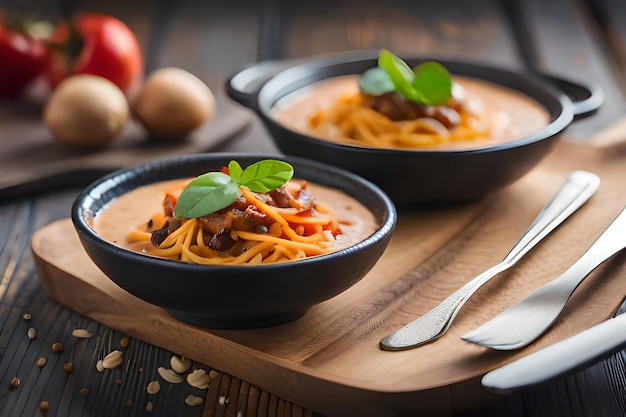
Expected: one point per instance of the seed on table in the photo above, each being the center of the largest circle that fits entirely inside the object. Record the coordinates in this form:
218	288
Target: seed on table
149	406
213	373
124	342
84	391
129	403
41	361
153	387
15	382
68	367
199	379
169	375
222	400
113	360
118	381
57	347
180	364
193	400
81	333
44	406
26	316
32	333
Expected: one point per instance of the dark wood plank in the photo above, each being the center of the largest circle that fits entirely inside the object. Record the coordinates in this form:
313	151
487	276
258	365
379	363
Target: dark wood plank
560	37
611	15
459	29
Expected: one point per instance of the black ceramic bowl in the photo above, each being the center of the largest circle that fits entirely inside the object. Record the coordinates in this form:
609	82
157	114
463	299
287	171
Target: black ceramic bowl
232	296
432	176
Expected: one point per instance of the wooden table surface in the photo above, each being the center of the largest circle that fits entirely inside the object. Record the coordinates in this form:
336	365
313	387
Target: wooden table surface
577	39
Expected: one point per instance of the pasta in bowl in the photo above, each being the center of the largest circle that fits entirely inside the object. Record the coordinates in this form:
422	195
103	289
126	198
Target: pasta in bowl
494	127
218	251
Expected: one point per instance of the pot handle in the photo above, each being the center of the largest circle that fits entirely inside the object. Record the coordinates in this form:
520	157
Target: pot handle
244	85
586	98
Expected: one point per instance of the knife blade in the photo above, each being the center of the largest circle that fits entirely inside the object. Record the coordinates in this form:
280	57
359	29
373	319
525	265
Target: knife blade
560	359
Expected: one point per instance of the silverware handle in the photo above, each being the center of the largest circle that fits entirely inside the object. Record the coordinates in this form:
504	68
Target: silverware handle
579	186
529	318
561	359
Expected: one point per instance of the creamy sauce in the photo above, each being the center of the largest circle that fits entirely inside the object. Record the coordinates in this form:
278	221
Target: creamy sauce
125	213
513	114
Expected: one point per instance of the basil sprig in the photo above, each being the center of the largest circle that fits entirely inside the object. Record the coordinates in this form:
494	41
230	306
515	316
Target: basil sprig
429	83
214	191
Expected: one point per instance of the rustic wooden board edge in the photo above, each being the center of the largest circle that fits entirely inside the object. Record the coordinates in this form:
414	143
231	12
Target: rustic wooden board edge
294	381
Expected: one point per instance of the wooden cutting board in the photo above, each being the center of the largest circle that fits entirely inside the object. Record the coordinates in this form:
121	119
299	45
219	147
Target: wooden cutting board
31	159
329	360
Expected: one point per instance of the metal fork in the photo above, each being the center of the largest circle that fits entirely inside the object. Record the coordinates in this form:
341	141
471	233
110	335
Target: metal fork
577	189
529	318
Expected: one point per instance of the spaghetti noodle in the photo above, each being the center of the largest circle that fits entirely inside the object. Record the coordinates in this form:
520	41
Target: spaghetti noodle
353	119
282	225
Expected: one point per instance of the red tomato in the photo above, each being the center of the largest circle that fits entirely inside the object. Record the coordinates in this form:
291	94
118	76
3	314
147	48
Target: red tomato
96	44
22	59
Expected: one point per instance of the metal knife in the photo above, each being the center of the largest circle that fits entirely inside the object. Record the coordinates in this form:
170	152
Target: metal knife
561	359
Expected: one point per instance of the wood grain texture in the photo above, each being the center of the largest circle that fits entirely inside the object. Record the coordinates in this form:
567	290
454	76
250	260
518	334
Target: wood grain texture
558	37
475	30
334	348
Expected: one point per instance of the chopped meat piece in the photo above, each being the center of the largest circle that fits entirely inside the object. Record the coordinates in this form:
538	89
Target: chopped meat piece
221	242
158	236
397	108
292	195
216	222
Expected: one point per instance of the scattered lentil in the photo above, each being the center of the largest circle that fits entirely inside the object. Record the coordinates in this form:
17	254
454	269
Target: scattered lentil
169	375
15	382
153	387
26	316
180	364
57	347
68	367
149	406
84	391
129	403
193	400
41	361
32	333
113	360
124	341
81	333
213	373
118	381
44	406
198	379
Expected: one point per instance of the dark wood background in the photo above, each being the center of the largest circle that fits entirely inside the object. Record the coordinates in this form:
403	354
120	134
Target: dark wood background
580	39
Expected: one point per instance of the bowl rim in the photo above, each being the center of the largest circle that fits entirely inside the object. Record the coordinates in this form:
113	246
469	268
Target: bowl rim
558	122
80	214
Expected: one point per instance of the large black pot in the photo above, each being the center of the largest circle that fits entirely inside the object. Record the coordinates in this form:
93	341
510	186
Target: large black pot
417	177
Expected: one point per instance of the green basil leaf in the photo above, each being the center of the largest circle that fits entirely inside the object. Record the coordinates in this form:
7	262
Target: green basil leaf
376	82
399	72
266	175
429	83
206	194
432	83
235	171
